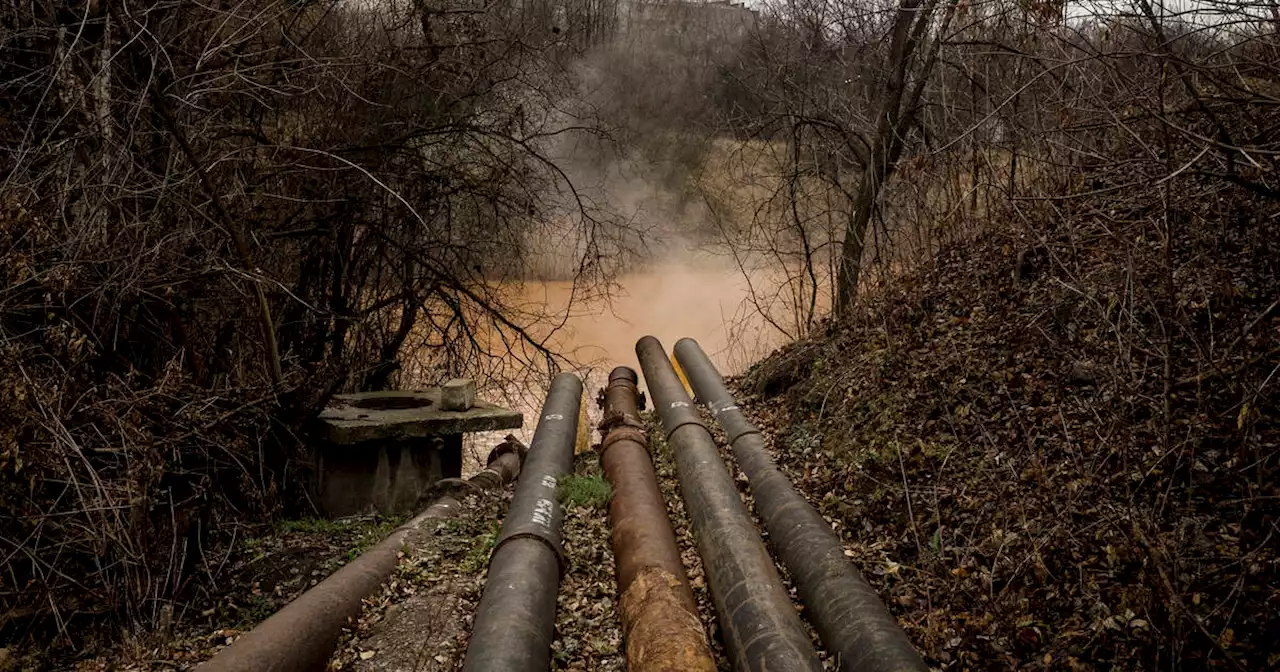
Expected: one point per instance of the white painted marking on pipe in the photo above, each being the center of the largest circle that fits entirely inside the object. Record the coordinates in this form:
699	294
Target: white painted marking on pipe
549	482
542	512
553	416
679	404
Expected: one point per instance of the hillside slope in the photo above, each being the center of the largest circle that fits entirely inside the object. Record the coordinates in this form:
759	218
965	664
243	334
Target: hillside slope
1059	447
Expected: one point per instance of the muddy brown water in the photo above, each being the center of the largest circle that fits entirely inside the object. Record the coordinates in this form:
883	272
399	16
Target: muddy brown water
705	301
704	297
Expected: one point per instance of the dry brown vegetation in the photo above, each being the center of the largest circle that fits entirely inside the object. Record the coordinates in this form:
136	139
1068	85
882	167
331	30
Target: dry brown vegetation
1042	416
1047	431
1055	444
888	151
213	217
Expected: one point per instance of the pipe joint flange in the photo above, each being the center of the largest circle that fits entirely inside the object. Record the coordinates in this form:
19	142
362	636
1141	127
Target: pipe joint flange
554	544
732	434
509	445
623	433
614	419
458	485
538	515
684	422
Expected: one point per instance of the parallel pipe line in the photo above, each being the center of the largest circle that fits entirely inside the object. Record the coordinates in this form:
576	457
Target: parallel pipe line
515	622
660	623
302	636
761	628
844	608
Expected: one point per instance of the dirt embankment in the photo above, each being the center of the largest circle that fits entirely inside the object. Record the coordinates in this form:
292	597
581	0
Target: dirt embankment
1058	447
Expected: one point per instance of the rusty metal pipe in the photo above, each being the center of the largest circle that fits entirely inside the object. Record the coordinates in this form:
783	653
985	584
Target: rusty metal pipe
515	622
301	637
660	623
502	467
852	621
761	629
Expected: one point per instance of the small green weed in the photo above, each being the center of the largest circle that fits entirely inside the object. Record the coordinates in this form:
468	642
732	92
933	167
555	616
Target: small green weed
372	534
803	439
256	610
478	556
584	491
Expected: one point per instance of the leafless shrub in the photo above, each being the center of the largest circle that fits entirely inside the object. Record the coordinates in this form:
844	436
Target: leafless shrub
215	216
1087	197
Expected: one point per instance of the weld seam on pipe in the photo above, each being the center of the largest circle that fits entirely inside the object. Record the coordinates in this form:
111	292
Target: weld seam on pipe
302	636
726	413
681	423
515	621
848	615
620	435
757	618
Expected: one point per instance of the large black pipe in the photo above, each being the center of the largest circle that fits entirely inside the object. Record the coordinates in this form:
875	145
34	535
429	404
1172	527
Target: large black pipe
515	622
849	616
761	629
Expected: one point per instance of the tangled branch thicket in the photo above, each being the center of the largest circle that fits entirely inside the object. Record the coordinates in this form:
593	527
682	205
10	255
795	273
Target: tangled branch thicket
879	132
215	215
1053	408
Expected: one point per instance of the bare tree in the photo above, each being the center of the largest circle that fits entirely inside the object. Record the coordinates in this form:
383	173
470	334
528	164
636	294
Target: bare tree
912	56
215	216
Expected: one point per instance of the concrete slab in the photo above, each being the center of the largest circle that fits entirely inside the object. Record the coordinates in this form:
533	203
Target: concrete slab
394	415
389	477
425	633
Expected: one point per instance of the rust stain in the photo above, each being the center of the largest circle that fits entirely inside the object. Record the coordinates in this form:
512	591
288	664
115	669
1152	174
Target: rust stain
659	614
660	632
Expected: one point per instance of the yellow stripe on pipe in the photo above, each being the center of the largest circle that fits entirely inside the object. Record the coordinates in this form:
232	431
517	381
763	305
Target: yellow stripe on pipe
584	429
675	364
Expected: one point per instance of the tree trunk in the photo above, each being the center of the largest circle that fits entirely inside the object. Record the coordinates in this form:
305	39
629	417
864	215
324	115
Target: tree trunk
887	133
897	116
854	243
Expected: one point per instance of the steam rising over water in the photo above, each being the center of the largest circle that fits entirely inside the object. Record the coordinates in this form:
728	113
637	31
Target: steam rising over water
697	295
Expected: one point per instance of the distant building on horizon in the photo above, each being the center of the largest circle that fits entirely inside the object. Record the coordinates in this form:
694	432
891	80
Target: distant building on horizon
719	18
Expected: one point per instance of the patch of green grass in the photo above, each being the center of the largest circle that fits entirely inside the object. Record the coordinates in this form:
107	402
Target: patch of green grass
256	610
478	555
453	525
374	533
603	647
358	536
803	439
589	492
254	547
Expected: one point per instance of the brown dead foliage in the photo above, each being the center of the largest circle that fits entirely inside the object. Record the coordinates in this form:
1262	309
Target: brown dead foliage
1056	445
